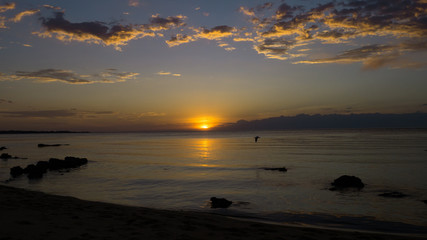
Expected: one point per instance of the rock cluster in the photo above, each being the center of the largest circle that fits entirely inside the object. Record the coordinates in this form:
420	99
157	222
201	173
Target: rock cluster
34	171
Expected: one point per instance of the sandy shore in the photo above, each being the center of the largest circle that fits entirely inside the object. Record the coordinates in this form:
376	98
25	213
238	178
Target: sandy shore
35	215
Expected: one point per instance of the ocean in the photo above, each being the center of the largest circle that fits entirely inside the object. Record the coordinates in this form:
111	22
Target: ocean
182	171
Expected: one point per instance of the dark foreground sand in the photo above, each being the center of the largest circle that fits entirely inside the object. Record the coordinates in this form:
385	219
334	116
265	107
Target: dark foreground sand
35	215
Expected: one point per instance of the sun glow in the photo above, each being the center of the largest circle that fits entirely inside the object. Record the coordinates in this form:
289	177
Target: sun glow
204	122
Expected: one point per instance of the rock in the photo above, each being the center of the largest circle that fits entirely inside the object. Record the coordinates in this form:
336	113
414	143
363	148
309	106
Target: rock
73	162
2	148
344	182
68	162
424	201
282	169
393	195
43	166
220	202
50	145
33	171
56	164
5	156
16	171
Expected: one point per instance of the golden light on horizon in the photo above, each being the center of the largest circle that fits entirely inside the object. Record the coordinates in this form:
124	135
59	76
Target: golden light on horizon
204	122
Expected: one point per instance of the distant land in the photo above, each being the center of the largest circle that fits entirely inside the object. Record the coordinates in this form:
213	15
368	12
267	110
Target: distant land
33	132
330	121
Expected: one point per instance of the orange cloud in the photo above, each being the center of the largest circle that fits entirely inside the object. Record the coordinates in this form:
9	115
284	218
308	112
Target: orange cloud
20	15
215	33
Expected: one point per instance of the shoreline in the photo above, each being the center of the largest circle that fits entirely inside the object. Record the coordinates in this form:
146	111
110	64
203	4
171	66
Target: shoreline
28	214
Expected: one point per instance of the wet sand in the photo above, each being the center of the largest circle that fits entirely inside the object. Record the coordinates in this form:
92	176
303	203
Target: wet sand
34	215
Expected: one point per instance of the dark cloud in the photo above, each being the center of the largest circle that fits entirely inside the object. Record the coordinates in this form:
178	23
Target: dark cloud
400	23
53	75
38	114
275	48
217	32
158	23
5	101
62	113
264	6
101	33
179	39
70	77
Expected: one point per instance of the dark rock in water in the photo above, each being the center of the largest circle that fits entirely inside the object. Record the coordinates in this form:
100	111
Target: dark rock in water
5	156
2	148
68	162
424	201
56	164
73	162
33	171
393	195
16	171
282	169
220	202
50	145
43	166
345	182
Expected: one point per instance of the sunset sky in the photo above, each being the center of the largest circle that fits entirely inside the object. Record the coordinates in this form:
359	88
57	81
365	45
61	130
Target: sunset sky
136	65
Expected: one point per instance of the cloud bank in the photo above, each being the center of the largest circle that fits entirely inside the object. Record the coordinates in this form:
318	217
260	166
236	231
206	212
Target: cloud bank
375	33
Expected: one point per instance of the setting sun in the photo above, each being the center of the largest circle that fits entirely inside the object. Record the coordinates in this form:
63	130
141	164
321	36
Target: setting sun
204	126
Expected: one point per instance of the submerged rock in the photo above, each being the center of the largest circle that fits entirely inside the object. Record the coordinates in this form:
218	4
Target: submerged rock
282	169
220	202
393	195
345	182
2	148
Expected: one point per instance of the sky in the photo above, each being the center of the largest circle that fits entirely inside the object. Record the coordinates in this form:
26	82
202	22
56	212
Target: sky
147	65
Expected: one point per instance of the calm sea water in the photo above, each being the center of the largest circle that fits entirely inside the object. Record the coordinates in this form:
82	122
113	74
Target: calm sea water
183	170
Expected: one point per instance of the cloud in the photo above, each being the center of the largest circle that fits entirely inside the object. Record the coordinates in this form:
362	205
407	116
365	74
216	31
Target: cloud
101	33
133	3
376	56
163	73
70	77
61	113
51	7
152	114
2	100
347	24
20	15
247	12
4	8
215	33
275	48
157	23
7	7
179	39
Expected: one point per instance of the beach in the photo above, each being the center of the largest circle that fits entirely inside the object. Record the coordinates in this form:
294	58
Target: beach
35	215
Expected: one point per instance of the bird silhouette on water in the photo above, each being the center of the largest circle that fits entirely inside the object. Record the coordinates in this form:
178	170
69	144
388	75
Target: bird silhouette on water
256	138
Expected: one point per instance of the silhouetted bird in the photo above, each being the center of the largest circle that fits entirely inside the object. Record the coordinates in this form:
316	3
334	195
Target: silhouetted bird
256	138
